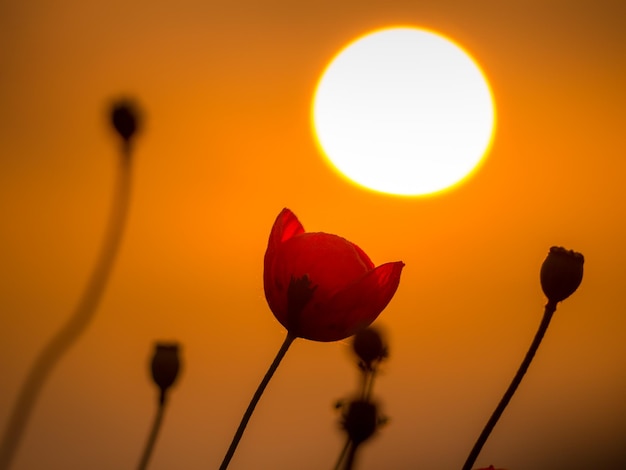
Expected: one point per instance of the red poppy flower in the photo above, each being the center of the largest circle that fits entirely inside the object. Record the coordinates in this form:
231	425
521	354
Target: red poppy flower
337	287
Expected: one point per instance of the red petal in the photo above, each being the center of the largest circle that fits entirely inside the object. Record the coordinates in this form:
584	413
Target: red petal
363	256
331	262
285	226
354	307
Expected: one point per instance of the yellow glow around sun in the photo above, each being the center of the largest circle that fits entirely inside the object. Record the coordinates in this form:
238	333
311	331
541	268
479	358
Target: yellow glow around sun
403	111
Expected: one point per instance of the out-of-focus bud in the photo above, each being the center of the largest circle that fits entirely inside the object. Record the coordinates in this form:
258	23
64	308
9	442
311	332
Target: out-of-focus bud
125	118
369	346
165	366
360	420
561	273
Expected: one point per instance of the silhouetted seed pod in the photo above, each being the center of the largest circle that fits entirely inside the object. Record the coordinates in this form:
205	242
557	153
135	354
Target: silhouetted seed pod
369	346
125	119
165	366
360	421
561	273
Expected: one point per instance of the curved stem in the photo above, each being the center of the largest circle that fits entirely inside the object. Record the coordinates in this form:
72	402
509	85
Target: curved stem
84	311
255	399
543	326
156	427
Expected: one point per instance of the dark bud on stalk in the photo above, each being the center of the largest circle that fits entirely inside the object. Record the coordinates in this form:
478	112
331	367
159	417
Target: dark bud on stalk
125	119
369	346
360	421
165	366
561	273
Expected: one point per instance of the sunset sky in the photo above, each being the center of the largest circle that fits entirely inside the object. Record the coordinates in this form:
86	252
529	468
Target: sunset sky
226	88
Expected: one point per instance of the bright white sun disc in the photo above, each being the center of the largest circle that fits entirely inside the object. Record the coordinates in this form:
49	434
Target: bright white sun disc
403	111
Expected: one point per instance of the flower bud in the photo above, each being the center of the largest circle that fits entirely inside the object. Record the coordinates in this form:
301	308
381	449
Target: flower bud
360	420
561	273
320	286
125	119
165	366
369	346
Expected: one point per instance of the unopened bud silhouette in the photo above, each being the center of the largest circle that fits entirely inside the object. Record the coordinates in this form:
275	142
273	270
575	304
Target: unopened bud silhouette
165	366
561	273
125	119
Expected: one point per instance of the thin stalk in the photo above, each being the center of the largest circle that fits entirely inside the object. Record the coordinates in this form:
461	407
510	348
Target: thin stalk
369	384
343	453
84	311
350	459
255	399
543	326
156	427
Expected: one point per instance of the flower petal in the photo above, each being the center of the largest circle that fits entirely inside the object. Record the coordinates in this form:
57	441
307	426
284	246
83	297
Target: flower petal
354	307
285	226
330	262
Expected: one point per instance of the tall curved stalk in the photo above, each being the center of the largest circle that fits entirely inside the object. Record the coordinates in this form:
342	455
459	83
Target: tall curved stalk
64	339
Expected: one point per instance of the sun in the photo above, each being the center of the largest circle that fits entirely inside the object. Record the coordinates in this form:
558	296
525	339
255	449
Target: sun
404	111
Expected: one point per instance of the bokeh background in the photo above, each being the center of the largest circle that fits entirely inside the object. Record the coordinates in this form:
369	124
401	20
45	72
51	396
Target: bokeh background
226	87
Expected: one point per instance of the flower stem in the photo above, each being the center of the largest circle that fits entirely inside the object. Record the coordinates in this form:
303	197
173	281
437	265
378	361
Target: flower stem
351	456
156	426
543	326
255	399
343	453
368	383
84	311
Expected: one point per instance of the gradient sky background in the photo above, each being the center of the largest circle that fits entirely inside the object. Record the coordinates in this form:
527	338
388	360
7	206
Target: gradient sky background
226	87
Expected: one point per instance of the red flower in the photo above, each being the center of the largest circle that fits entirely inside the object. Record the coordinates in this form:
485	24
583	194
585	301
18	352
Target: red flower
335	286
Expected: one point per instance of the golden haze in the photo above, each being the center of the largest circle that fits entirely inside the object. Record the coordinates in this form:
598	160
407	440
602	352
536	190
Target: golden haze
227	144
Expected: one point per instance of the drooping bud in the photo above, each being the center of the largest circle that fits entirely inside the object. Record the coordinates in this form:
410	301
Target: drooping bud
369	346
165	366
125	118
561	273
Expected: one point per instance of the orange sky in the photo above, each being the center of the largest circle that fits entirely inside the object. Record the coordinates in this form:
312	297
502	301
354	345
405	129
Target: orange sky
226	87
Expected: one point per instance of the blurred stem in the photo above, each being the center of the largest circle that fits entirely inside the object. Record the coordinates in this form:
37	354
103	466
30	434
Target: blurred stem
543	326
59	344
343	453
368	374
156	427
368	383
255	399
351	456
